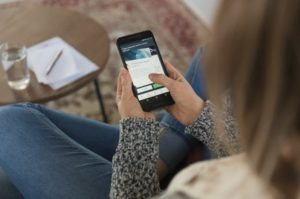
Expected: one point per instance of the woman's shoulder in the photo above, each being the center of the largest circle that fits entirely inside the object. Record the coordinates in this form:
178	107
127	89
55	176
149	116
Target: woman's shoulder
229	177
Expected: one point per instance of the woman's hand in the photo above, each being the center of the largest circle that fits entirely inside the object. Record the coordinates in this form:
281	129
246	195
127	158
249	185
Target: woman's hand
128	104
188	105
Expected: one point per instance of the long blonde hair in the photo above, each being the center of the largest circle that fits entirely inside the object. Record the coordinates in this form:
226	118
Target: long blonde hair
255	52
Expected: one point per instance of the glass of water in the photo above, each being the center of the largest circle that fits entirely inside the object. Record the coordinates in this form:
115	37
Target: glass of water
14	62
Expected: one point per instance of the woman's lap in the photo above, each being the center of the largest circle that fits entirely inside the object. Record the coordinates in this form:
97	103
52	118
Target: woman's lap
96	136
47	152
42	161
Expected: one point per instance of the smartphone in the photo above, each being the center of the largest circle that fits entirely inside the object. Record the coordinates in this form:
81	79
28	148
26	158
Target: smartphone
141	56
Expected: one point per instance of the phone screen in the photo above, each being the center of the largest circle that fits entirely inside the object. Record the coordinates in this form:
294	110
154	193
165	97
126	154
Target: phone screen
142	58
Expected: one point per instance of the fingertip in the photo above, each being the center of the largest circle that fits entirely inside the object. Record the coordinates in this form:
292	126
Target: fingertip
170	66
154	77
122	70
154	74
126	74
122	79
167	62
150	75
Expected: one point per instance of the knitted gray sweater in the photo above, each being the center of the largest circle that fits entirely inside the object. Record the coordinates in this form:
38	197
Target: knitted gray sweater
134	163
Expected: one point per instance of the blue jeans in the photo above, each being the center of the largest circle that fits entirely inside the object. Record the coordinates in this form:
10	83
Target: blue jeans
51	154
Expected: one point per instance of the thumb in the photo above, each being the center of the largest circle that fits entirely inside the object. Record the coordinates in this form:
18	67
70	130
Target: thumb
161	79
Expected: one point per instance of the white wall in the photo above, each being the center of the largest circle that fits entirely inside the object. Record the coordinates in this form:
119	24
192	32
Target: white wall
204	9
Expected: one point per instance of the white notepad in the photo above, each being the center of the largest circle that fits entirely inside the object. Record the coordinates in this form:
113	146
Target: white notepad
71	65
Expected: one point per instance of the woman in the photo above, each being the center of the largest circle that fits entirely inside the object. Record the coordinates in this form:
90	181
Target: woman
255	55
64	156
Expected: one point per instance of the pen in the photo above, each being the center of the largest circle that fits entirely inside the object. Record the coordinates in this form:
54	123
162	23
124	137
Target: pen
53	61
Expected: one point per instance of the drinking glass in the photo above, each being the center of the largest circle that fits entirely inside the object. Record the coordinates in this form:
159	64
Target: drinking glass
14	62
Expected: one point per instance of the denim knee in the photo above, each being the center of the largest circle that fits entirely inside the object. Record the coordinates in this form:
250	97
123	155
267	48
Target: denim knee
12	115
24	105
17	108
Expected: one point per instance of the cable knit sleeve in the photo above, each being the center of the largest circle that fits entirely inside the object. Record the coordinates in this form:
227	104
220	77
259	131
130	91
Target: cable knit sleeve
204	129
134	163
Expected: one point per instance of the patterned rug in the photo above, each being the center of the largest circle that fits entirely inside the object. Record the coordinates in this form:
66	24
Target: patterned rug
178	32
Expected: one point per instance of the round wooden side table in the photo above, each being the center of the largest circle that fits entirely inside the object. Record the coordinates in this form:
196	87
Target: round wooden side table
31	24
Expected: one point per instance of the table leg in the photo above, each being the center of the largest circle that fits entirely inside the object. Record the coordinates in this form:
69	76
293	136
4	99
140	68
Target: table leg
100	100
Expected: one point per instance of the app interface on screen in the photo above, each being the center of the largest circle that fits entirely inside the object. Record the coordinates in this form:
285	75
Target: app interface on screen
141	59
